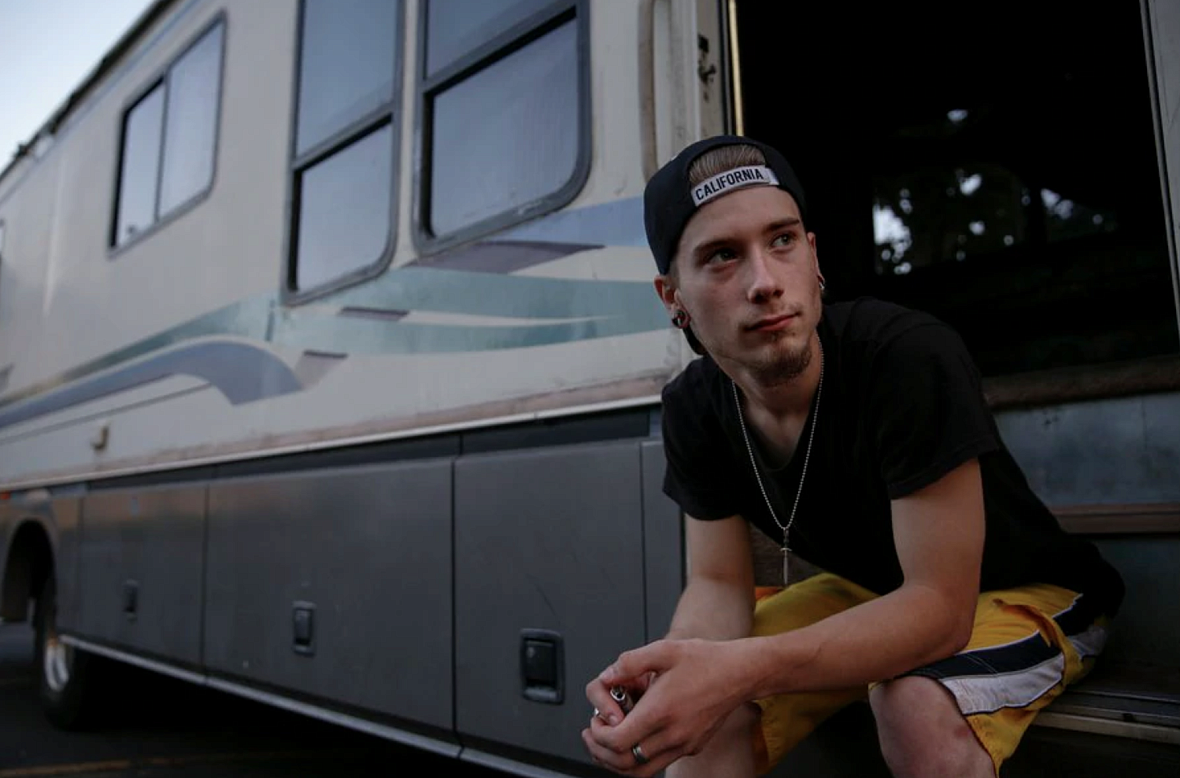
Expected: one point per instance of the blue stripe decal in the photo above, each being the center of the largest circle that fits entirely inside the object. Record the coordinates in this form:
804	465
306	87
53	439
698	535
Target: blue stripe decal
616	223
248	372
242	371
374	336
604	309
249	319
501	256
488	294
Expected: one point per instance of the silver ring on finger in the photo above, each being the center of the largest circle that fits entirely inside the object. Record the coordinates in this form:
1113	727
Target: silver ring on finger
637	752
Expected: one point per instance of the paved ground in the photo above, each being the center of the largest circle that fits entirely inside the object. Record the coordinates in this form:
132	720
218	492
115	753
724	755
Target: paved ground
162	727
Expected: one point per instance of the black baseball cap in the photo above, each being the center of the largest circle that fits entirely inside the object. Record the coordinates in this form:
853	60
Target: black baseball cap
669	201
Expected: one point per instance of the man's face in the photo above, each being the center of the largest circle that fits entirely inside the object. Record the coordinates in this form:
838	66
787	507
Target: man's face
747	274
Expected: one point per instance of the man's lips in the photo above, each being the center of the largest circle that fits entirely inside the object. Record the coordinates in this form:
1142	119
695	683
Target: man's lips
772	323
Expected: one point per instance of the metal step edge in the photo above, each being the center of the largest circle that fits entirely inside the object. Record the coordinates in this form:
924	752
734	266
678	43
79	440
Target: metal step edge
1095	725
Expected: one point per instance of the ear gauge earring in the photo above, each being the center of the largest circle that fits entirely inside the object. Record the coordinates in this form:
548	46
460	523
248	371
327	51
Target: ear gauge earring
680	319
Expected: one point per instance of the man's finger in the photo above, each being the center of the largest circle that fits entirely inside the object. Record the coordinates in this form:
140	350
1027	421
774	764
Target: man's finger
601	701
659	749
626	762
632	665
613	760
640	727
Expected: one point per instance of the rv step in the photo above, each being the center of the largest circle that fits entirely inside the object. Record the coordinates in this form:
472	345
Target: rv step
1142	703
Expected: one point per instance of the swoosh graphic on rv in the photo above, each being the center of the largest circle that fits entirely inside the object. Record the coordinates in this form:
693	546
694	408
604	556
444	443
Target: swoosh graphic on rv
244	372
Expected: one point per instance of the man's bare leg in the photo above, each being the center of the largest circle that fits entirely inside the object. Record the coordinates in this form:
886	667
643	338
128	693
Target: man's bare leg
728	754
923	734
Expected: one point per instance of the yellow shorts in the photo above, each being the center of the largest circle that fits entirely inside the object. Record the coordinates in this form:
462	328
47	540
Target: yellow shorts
1028	644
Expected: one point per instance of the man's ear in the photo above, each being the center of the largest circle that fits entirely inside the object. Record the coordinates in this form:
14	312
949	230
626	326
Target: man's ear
666	289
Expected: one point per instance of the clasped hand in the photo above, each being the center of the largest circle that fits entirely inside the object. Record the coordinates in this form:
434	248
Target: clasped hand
684	690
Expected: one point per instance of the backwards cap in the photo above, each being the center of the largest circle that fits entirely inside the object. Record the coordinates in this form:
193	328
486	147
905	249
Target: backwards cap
669	201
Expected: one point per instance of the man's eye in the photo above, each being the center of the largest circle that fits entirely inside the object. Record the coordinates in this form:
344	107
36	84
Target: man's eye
721	255
783	240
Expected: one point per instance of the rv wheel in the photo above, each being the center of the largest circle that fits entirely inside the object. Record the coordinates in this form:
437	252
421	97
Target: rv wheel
65	672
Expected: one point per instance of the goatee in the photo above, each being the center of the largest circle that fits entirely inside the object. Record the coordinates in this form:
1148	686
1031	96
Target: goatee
783	367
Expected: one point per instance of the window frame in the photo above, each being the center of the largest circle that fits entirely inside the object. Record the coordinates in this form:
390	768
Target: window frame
491	51
162	77
390	113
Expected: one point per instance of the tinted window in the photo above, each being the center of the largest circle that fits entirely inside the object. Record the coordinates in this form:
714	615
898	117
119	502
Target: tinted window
346	65
140	172
345	207
526	108
191	122
456	27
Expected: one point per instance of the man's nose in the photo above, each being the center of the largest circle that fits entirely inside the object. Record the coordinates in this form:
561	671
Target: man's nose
762	282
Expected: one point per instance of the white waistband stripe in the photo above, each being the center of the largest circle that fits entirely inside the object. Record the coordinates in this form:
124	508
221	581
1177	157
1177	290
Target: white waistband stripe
987	693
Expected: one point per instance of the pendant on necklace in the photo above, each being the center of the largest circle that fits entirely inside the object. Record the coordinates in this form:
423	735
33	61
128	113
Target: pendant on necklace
786	566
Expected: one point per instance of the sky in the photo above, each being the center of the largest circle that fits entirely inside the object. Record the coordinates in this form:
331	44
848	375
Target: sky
47	47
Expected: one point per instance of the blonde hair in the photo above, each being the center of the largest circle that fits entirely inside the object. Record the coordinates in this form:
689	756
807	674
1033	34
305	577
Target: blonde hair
721	159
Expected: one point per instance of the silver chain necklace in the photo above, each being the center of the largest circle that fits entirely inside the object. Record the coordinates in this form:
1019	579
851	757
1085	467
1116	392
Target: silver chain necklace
806	458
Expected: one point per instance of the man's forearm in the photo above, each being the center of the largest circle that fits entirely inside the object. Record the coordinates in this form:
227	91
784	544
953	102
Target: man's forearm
875	641
713	610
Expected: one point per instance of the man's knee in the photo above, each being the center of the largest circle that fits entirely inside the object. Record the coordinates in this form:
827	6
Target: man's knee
729	752
740	725
922	732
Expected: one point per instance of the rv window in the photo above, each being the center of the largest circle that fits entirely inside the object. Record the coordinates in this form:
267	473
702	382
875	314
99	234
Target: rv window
526	106
141	165
458	27
346	65
517	75
345	206
191	123
169	138
346	135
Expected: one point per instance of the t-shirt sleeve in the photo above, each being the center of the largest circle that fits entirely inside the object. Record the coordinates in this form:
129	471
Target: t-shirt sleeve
928	412
698	474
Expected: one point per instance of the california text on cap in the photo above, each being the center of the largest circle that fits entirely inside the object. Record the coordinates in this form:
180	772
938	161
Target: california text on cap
669	201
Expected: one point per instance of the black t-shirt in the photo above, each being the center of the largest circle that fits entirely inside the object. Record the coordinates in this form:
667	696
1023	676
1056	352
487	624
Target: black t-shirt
901	406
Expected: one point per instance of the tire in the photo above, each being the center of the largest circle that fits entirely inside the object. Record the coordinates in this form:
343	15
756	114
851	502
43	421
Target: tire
67	675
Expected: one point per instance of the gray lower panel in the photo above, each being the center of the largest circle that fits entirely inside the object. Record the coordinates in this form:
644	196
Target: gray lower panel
140	578
663	544
1122	450
548	540
66	516
369	550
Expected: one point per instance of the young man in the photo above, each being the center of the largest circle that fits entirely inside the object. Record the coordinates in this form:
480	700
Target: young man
858	435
